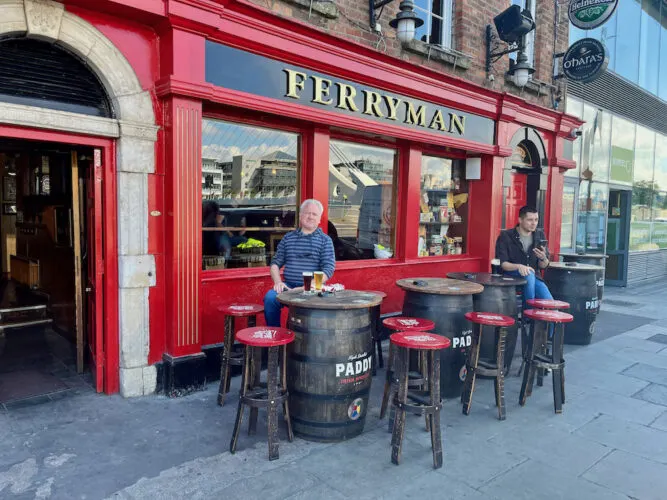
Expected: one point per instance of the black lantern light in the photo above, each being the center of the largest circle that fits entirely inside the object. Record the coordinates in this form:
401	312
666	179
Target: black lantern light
405	23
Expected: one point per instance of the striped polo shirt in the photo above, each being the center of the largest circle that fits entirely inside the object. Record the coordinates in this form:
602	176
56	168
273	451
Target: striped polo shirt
301	253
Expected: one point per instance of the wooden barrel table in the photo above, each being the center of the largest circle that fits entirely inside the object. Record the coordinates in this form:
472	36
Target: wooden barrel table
594	259
329	363
499	296
444	301
576	284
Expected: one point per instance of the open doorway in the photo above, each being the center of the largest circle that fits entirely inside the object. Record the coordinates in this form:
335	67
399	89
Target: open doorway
48	204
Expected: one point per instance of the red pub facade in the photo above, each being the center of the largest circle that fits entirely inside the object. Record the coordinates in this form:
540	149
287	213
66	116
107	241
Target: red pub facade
418	169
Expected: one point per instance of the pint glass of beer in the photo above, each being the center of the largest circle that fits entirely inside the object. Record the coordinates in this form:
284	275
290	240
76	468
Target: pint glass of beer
319	280
496	270
307	280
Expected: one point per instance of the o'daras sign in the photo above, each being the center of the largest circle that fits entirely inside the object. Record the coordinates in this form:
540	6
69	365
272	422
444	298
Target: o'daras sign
243	71
585	60
589	14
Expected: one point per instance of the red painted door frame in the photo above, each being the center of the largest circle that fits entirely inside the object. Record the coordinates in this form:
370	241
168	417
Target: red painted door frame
109	226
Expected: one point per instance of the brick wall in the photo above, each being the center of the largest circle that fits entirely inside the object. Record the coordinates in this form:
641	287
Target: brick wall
468	33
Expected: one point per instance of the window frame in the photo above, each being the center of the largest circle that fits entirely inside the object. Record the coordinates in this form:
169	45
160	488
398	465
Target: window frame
446	17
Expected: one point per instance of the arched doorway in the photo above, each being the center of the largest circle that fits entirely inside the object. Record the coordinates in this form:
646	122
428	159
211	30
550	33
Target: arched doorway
121	141
524	179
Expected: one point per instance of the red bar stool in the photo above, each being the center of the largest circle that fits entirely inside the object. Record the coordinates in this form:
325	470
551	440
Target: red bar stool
229	358
416	379
475	366
549	304
537	360
419	402
253	394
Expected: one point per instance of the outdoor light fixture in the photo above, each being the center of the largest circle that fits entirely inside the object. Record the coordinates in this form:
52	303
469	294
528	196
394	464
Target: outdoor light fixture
512	25
405	23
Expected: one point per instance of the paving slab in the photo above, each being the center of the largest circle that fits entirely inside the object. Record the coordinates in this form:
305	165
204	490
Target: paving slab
648	442
630	475
648	373
591	378
622	407
654	393
660	422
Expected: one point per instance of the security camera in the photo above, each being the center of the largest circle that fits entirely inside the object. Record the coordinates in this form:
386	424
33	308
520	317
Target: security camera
574	133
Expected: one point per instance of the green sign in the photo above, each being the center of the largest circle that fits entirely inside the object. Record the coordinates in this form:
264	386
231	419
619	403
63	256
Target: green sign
622	161
589	14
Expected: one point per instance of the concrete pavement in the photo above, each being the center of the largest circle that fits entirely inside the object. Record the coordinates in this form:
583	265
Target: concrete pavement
610	442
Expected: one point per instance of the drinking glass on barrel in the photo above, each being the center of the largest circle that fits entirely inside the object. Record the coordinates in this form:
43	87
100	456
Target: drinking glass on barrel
496	270
307	280
319	280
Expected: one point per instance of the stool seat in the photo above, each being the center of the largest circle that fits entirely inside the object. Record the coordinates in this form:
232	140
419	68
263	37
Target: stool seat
420	340
241	310
263	336
403	323
548	304
490	319
548	316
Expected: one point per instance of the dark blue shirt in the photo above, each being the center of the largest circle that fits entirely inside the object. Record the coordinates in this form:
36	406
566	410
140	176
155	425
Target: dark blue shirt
301	253
509	248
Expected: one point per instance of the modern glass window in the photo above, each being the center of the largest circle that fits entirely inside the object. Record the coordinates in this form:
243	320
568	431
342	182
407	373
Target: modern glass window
437	17
567	219
644	155
591	221
443	207
607	35
362	200
575	107
622	150
596	139
659	224
660	170
627	39
649	45
250	179
662	72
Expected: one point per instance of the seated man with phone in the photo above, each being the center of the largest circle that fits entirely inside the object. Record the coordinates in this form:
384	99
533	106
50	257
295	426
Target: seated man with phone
523	251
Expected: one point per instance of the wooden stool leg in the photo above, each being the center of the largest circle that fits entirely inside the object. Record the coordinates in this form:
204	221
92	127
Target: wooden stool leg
472	361
252	321
434	391
557	375
255	379
223	388
425	375
388	383
500	376
288	419
529	370
539	339
239	411
403	363
272	390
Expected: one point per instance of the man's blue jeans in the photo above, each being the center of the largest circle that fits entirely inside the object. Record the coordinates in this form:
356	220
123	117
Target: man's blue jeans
534	288
272	307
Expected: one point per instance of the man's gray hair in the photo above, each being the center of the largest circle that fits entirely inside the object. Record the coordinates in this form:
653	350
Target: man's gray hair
312	201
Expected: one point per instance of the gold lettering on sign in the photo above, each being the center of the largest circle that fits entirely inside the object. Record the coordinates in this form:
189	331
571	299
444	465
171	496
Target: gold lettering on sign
295	80
346	95
321	89
413	117
392	106
372	101
438	122
457	121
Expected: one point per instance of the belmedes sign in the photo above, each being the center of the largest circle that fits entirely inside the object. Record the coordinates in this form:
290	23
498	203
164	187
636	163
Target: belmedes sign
585	60
589	14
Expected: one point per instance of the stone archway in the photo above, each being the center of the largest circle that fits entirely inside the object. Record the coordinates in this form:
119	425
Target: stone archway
136	133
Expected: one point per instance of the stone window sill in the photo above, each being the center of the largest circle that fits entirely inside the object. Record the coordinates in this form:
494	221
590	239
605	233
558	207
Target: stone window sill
533	86
437	53
325	8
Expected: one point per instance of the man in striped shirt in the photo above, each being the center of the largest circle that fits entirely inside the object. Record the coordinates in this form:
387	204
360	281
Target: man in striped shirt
307	249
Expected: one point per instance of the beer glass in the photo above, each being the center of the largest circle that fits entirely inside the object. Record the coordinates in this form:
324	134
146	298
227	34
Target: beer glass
496	270
307	280
319	280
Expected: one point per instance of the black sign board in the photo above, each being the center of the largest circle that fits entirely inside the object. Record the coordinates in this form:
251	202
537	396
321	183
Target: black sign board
247	72
585	60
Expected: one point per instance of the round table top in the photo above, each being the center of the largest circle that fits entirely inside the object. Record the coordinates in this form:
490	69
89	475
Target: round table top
488	279
574	266
600	256
439	286
344	299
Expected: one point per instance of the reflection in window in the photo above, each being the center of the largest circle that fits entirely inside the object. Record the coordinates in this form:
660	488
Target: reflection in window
640	223
250	179
659	224
660	170
567	220
443	214
662	71
361	200
622	150
591	221
649	45
437	17
627	39
596	140
575	107
644	153
607	35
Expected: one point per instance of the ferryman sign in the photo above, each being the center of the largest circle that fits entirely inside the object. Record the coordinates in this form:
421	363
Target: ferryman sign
589	14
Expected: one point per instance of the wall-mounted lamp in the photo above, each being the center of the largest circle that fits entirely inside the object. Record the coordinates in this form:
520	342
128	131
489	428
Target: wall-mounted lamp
512	26
405	23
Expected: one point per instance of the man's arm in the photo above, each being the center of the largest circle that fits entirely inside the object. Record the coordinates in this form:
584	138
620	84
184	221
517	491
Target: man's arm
502	253
328	259
278	284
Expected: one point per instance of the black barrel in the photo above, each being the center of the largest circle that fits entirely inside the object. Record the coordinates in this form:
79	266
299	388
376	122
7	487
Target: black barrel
329	372
500	300
576	284
593	260
447	312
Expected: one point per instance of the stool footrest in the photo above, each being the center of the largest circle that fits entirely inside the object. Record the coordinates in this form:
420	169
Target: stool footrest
421	405
541	361
259	398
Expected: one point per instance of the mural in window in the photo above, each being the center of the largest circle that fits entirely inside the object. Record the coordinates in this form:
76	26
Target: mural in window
443	214
250	180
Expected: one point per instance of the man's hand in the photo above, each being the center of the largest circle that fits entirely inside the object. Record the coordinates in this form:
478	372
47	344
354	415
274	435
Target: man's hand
524	270
540	253
280	287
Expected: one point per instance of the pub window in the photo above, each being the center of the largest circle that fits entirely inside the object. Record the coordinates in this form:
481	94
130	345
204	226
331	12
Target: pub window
443	207
362	187
250	178
437	17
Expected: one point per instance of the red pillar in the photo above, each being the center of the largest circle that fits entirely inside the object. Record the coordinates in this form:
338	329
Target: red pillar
315	170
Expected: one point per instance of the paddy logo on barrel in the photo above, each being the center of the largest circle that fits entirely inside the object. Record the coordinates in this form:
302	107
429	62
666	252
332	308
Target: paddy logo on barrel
356	369
462	341
593	304
355	409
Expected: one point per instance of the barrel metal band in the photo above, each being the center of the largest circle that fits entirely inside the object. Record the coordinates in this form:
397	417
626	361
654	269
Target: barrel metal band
329	397
326	361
